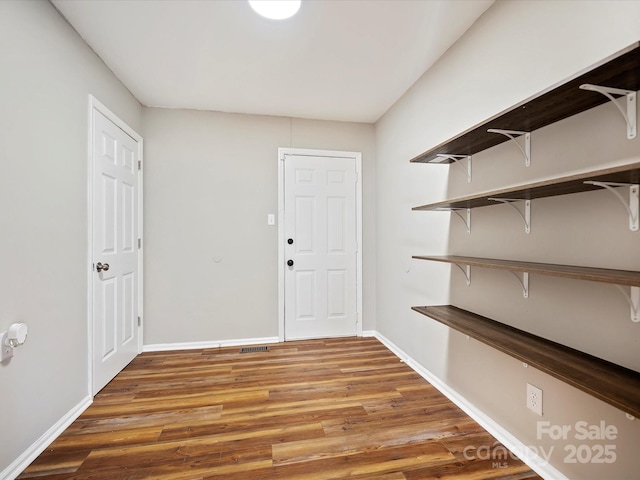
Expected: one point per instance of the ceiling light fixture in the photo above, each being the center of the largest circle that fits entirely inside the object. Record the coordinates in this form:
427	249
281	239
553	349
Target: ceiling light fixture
276	9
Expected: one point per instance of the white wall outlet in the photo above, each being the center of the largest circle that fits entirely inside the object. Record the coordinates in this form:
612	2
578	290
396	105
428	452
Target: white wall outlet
534	399
6	352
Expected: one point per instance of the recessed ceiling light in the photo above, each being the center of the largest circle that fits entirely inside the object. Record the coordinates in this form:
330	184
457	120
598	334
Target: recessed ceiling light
276	9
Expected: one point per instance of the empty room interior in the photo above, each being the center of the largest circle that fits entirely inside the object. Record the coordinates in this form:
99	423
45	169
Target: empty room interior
374	239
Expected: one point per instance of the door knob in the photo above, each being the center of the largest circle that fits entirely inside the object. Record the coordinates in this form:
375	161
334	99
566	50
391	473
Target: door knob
100	267
290	241
290	263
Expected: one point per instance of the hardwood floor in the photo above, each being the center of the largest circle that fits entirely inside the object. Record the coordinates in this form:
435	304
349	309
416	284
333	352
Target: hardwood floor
321	409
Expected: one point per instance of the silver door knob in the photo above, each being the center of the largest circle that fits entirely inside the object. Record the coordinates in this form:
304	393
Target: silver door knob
100	267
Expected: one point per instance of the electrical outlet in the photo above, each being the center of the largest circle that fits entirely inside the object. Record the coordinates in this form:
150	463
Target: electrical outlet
6	352
534	399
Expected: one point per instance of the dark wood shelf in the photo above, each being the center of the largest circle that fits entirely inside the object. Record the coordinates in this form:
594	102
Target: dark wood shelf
547	188
611	383
602	275
621	70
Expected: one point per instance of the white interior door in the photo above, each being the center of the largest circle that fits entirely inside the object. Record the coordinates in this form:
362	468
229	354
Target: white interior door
115	250
320	235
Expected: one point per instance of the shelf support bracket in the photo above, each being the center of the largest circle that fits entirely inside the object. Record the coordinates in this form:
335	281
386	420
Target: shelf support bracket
466	221
633	205
466	272
458	160
630	95
526	151
633	297
524	282
526	216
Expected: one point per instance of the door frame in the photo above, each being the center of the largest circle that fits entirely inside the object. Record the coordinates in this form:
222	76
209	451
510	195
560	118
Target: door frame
95	104
357	156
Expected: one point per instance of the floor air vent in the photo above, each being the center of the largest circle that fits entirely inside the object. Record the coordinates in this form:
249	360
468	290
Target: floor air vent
254	349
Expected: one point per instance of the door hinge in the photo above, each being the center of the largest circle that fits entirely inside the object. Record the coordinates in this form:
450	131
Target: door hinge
139	321
139	164
139	243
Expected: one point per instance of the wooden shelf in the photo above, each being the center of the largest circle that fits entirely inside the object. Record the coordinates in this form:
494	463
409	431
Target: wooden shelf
611	383
602	275
607	381
547	188
621	70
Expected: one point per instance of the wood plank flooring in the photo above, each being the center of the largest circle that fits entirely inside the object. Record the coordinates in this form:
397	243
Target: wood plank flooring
308	410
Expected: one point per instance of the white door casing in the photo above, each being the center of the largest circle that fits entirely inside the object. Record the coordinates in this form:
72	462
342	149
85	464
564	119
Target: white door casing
319	232
115	247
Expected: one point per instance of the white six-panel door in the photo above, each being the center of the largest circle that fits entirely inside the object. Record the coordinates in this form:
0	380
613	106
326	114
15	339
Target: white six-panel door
320	250
115	250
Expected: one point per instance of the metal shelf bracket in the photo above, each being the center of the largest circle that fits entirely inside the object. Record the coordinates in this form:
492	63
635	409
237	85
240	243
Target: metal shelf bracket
458	160
524	282
512	134
633	205
527	209
466	272
466	219
630	96
633	297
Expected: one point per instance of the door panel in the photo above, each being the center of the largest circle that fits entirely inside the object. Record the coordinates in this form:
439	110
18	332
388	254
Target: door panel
129	317
128	216
320	218
109	300
336	228
305	286
109	186
305	210
336	293
115	242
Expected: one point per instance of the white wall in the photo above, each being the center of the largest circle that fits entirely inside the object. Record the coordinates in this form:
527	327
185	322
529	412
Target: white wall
47	74
210	257
515	50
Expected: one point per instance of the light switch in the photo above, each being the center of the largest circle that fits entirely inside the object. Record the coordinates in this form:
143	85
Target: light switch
271	219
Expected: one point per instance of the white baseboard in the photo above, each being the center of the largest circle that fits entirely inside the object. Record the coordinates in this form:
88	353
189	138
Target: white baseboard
163	347
40	445
526	454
